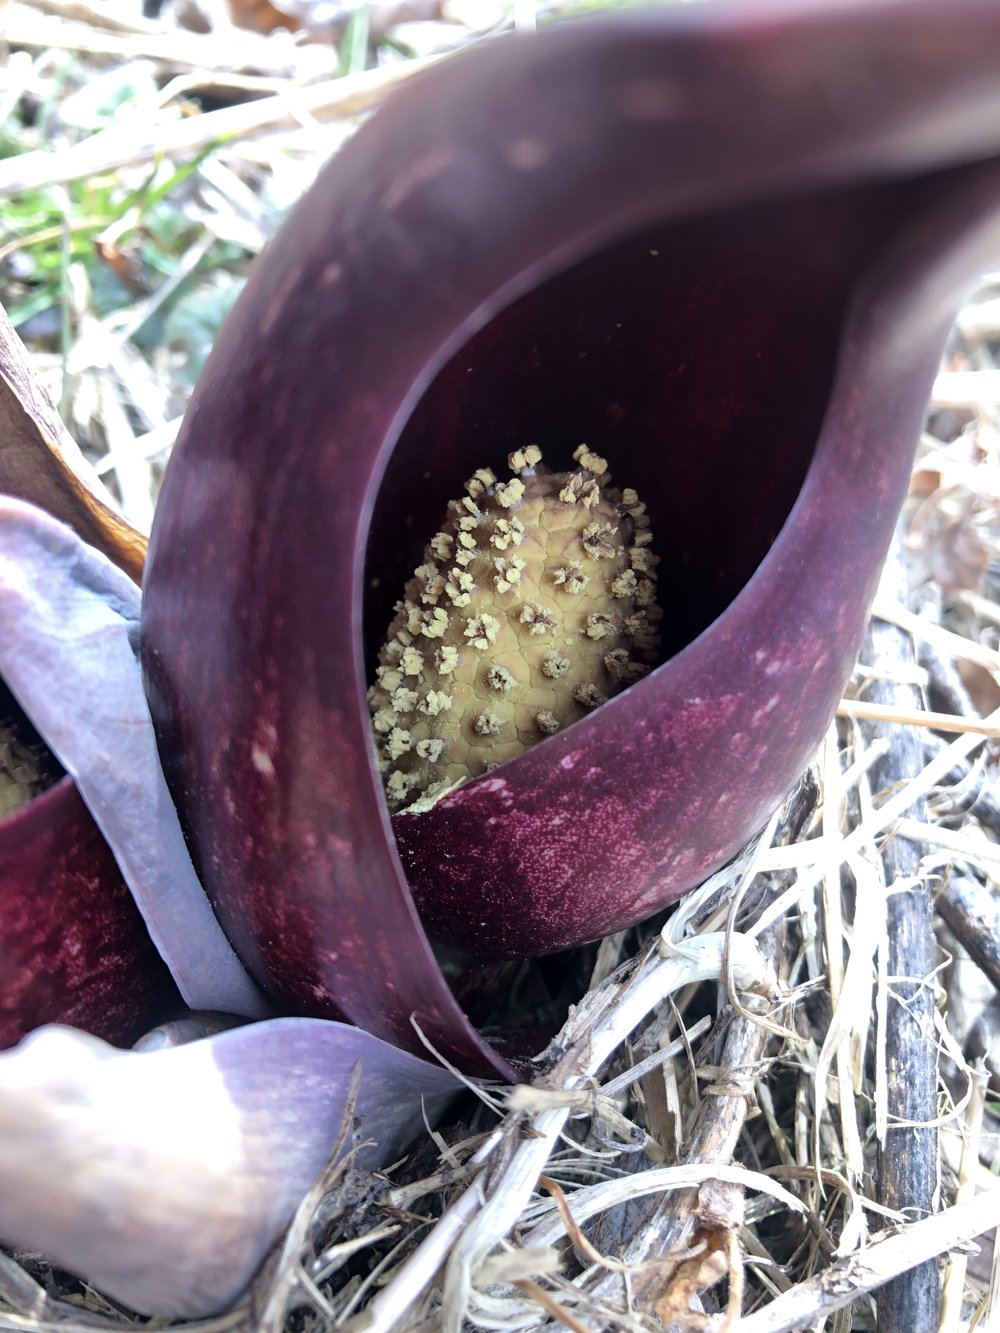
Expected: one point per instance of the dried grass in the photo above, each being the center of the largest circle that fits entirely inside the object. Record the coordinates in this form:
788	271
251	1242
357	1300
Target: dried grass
703	1133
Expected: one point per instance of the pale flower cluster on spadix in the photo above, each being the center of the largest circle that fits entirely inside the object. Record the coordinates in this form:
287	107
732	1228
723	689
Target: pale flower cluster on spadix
535	604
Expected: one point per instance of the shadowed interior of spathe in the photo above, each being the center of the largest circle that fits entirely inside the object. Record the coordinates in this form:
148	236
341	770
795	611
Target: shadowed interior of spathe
697	357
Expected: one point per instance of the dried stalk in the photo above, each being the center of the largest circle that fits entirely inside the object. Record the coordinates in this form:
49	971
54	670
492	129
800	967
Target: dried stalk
908	1157
491	1206
95	14
871	710
129	145
890	1255
723	1113
972	913
975	389
231	52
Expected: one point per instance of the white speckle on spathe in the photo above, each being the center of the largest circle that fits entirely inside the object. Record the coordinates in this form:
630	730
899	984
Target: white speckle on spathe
262	761
277	301
526	154
774	666
570	760
650	99
760	655
769	707
497	786
418	172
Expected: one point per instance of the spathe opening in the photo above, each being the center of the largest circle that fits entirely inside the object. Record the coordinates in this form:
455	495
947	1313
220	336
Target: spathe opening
697	356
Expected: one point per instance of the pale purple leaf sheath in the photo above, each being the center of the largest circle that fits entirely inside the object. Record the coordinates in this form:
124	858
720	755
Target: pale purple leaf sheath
165	1177
69	618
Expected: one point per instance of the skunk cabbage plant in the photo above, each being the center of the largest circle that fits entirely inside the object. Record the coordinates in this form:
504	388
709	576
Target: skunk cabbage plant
720	247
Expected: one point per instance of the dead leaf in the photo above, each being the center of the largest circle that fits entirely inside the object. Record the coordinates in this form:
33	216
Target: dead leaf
982	687
41	463
714	1255
257	15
